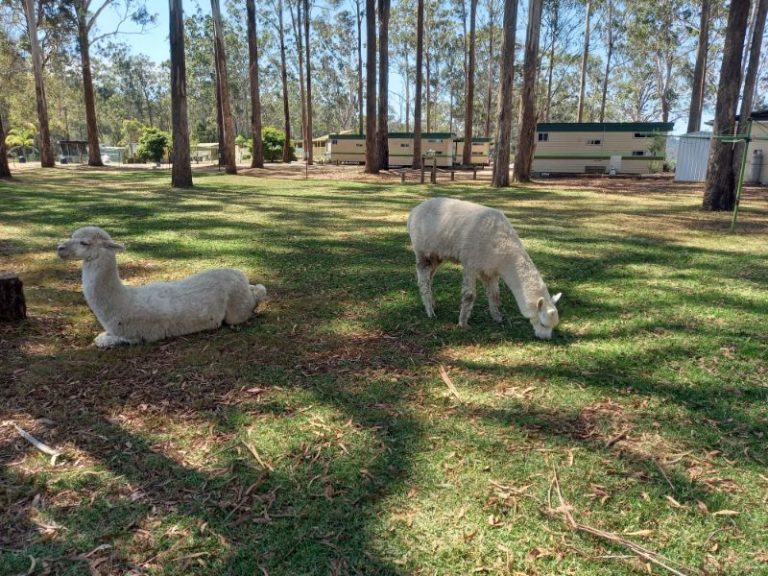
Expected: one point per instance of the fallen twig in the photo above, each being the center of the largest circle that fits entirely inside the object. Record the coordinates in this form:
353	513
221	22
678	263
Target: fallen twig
448	382
263	463
52	452
653	557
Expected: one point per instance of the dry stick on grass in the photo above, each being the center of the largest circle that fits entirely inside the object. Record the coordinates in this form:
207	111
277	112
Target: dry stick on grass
644	553
449	382
52	452
252	450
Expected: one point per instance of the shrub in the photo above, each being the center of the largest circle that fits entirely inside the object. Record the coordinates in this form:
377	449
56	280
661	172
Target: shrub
153	144
273	140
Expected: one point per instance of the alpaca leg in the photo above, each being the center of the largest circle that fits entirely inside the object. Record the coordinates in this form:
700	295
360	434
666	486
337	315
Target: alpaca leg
494	297
106	340
425	271
467	297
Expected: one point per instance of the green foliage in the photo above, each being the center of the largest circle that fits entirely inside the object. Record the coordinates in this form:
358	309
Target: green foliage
273	140
23	137
132	130
153	144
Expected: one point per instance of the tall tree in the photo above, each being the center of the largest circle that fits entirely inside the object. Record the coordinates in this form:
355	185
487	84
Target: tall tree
719	188
359	22
382	130
608	55
491	8
371	157
526	144
284	82
309	80
419	81
298	33
505	108
469	103
257	157
46	149
5	169
181	171
584	60
750	80
84	21
227	122
700	69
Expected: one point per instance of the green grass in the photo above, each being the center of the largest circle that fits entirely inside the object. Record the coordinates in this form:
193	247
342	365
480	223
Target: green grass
319	437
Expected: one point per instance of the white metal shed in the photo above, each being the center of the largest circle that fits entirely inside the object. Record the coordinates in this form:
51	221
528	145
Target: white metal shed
692	156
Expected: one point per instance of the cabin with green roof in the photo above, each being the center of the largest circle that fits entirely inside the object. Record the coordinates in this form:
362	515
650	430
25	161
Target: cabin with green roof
600	147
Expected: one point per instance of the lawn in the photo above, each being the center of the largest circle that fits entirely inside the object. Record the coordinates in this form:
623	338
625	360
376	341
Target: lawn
320	436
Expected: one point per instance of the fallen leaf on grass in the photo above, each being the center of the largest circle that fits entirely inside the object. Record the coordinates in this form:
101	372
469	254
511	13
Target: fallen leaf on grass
641	533
674	503
725	513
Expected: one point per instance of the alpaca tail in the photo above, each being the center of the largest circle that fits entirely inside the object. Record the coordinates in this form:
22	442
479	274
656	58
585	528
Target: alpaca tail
259	292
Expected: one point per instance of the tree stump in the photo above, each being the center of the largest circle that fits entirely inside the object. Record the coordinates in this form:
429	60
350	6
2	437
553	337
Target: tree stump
12	304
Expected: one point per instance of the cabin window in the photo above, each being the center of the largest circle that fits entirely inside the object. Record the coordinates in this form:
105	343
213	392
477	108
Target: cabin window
543	136
638	152
335	142
358	145
640	135
594	142
404	145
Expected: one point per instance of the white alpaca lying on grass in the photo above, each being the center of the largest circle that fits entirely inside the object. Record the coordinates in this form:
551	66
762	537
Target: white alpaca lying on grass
131	315
486	245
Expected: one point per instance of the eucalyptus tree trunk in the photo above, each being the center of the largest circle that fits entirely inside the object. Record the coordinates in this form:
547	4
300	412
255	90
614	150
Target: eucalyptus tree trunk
284	80
228	126
719	188
298	32
5	169
526	144
428	101
584	59
419	81
750	80
609	53
699	71
309	79
505	106
407	95
181	169
257	157
551	63
489	96
46	149
470	96
371	157
382	133
91	124
359	66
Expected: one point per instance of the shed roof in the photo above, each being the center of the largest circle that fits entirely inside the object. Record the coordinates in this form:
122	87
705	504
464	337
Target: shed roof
604	126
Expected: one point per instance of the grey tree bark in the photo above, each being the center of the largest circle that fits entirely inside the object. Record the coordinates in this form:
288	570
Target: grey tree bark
382	130
466	159
525	143
371	157
584	60
700	69
46	148
720	185
228	125
257	158
416	163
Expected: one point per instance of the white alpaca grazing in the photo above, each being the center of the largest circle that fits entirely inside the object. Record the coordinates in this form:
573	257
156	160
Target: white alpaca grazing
132	315
486	245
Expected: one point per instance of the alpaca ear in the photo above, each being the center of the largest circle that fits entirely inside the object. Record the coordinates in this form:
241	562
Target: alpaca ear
556	297
116	246
540	304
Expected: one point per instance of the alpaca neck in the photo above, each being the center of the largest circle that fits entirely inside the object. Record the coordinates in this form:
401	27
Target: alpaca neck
524	280
101	281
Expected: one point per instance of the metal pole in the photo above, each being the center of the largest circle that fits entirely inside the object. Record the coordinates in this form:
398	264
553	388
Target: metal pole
747	140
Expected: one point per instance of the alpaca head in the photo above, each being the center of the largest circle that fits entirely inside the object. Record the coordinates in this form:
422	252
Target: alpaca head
546	318
88	243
